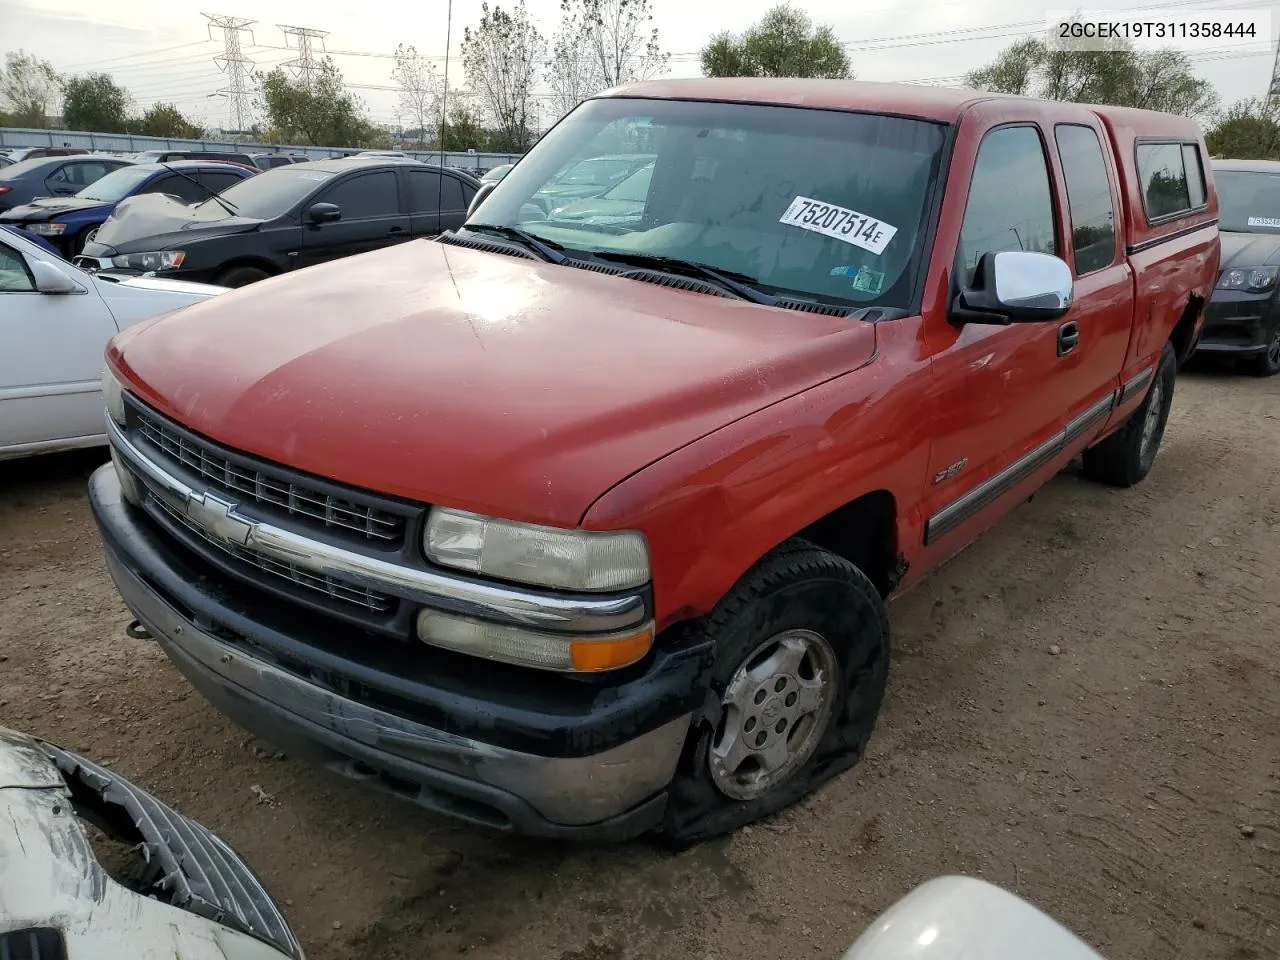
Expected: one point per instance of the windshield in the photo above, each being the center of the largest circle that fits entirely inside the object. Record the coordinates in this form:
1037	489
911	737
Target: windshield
1248	201
117	184
266	196
822	203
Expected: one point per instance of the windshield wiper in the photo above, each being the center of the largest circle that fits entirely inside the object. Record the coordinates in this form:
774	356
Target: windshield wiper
736	283
226	205
543	248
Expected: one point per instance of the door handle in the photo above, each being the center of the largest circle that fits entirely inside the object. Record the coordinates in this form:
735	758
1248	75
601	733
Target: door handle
1068	337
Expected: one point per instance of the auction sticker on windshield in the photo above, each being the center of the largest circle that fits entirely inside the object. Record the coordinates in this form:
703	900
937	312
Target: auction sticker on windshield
840	223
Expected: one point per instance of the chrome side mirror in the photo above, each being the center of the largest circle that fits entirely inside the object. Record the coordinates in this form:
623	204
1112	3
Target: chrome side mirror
1016	286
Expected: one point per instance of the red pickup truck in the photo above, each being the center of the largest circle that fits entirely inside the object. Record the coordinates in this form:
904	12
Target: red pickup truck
586	527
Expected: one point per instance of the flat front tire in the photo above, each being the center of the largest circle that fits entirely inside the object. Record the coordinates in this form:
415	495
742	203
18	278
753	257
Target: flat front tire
802	660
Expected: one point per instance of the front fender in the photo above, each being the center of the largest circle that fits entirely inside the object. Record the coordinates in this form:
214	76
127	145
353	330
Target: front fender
714	507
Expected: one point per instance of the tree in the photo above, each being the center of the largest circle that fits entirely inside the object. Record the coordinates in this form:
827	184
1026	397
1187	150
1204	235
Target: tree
322	114
620	44
500	57
165	120
1249	130
1120	75
93	101
571	72
419	89
28	88
464	130
783	44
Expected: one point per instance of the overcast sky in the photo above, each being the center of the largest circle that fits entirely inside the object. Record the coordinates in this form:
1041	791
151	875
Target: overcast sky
162	51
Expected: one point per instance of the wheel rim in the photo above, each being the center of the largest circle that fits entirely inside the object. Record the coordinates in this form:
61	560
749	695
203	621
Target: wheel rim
1273	349
1151	424
776	709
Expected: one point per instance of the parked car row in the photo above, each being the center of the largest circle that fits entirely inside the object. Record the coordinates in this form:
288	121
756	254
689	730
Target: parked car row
69	222
280	220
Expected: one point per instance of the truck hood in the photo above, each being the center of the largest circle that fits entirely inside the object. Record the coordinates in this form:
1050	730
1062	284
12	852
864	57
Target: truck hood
153	221
48	208
492	383
1250	249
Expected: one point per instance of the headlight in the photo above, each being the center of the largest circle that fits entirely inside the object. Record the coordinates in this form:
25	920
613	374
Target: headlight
545	556
46	229
150	262
113	394
1251	279
532	648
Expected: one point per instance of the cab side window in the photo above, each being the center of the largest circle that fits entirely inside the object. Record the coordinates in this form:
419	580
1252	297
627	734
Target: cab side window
14	275
1093	219
1172	179
1010	204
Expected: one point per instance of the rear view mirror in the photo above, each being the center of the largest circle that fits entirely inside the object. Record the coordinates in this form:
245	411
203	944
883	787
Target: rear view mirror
479	198
323	213
49	279
1016	286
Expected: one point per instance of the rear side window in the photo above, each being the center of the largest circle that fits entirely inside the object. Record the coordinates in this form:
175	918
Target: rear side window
365	196
176	186
217	182
1195	173
1172	179
1010	206
451	195
425	191
1093	221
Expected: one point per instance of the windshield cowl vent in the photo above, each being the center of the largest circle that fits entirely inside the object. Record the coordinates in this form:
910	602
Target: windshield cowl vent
679	283
489	246
808	306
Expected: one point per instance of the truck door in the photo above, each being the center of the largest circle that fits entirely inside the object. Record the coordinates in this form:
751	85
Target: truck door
1094	335
995	410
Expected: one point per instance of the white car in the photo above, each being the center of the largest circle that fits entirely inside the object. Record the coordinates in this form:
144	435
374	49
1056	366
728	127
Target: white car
964	918
185	892
55	321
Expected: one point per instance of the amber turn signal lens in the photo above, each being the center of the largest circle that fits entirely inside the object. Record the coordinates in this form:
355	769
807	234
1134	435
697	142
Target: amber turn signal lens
593	655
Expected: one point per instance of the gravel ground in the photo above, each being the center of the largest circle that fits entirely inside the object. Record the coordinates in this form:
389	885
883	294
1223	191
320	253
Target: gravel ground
1084	708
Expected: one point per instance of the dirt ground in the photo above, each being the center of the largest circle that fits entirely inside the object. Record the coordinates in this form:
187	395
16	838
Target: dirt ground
1083	708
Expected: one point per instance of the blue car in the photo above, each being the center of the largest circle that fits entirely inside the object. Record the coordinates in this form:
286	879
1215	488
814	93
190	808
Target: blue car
68	222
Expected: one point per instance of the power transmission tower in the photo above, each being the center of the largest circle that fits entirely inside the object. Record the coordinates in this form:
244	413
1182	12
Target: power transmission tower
305	65
235	65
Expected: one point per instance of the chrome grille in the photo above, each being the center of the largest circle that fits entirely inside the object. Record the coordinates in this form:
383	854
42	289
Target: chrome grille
244	478
335	589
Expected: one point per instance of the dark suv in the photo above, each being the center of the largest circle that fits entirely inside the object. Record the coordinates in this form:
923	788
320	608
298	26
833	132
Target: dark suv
280	220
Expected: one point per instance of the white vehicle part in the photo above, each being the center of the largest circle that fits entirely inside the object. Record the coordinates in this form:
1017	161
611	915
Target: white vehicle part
50	878
962	918
51	348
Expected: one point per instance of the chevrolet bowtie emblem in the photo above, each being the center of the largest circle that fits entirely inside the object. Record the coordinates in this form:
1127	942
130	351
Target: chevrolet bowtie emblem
217	517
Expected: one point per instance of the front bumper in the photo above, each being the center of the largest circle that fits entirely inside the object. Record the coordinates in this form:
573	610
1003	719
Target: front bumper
1236	323
372	720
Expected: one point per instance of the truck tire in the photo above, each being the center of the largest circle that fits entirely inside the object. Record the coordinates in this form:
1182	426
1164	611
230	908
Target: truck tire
1125	457
802	660
1267	364
240	276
